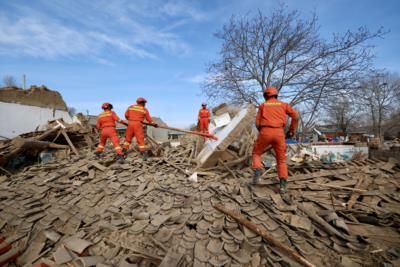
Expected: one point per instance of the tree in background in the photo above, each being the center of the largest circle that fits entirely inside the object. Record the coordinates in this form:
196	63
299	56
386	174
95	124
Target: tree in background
343	112
284	50
9	81
379	96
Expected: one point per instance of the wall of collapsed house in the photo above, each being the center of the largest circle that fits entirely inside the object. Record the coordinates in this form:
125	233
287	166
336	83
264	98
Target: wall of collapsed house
17	119
23	111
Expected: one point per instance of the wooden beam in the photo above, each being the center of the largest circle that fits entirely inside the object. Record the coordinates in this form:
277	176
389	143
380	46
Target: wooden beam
228	169
64	133
263	233
338	187
309	176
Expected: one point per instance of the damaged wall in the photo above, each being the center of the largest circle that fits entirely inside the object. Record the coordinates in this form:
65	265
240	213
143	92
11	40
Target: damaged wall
16	119
23	111
34	96
331	153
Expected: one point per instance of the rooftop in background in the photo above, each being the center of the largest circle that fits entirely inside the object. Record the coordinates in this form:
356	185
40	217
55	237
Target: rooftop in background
34	96
329	128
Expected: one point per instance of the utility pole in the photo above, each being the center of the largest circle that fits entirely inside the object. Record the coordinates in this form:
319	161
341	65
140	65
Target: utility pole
24	81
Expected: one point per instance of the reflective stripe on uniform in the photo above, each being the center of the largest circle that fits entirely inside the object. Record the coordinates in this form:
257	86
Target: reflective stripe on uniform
117	147
126	143
138	109
105	114
272	103
100	146
141	146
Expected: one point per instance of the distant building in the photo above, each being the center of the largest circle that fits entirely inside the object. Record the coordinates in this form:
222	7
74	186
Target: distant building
330	131
23	111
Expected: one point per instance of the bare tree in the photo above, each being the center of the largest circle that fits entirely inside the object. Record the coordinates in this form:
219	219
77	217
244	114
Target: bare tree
9	81
342	111
307	120
378	94
284	50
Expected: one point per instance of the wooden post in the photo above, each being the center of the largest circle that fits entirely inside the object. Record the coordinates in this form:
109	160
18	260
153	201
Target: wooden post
263	233
228	169
69	142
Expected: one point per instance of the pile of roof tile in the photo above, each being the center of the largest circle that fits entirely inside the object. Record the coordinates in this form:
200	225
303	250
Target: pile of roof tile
84	212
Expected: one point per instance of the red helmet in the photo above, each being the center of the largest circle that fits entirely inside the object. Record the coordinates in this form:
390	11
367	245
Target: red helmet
141	100
106	106
270	91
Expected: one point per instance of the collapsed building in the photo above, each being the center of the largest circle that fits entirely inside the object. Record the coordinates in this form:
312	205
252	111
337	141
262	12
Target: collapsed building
192	205
25	111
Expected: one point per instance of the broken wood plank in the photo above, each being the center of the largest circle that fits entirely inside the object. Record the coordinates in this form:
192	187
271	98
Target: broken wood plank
64	133
308	176
5	171
228	169
327	227
263	233
97	165
360	185
175	166
338	187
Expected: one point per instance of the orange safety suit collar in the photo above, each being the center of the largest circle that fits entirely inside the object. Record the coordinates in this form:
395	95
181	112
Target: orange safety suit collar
138	112
272	113
107	118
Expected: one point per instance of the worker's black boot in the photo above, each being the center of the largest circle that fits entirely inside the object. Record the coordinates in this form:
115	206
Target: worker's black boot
284	193
144	155
282	186
120	158
256	177
98	154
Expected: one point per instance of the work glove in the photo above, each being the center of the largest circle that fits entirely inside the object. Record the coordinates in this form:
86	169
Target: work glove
155	125
289	134
258	127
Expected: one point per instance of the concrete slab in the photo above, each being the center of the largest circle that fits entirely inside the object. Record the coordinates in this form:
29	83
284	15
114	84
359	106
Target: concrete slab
227	134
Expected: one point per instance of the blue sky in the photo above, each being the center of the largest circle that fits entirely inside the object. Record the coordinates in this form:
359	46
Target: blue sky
115	51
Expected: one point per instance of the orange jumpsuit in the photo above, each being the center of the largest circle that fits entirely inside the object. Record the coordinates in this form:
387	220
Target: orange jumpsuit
135	115
204	120
106	123
271	120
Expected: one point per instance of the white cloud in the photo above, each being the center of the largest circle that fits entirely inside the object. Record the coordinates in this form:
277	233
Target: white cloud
82	28
32	37
198	78
179	8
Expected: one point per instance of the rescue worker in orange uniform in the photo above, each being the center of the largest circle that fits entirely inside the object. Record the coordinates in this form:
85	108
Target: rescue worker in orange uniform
106	123
270	122
135	115
203	118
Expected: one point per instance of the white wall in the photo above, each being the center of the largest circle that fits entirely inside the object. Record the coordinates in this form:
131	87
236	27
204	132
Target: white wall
16	119
333	153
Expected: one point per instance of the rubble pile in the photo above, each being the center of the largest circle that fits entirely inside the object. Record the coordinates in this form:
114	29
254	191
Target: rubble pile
60	140
84	212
